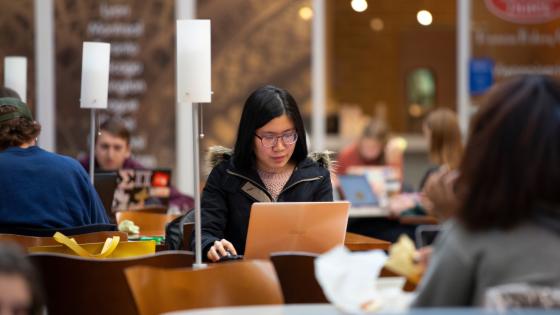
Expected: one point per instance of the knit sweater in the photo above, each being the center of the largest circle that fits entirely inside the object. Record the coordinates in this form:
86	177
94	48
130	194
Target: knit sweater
41	189
275	180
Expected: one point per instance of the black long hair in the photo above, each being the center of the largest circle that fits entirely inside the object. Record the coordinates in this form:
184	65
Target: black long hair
512	159
263	105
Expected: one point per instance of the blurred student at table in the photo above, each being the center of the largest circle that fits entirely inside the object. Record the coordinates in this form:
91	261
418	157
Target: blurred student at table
441	130
113	152
20	293
373	148
270	162
507	226
39	189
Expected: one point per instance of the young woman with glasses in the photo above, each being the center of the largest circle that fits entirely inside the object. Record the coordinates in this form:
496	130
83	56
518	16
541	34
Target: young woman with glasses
269	163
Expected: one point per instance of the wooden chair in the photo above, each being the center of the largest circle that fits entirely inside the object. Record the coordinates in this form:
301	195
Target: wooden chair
74	230
418	220
30	241
161	209
187	235
151	224
296	272
158	290
75	285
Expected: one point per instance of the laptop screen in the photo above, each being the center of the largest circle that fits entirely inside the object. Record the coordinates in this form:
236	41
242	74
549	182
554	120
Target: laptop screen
105	185
357	190
314	227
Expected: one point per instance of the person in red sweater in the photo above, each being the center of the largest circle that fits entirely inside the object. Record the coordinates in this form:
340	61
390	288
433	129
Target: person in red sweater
373	148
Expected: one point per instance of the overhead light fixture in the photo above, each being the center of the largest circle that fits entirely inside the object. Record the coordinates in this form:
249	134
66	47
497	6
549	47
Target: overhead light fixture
305	13
424	17
359	5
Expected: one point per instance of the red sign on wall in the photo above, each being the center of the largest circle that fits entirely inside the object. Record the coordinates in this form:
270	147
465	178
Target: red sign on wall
525	11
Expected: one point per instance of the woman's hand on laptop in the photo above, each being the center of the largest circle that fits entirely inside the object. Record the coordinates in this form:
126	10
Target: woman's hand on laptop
219	249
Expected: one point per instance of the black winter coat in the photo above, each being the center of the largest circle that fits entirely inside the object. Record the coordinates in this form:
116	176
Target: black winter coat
230	192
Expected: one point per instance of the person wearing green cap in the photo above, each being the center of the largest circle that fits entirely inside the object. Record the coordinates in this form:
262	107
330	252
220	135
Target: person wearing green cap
40	189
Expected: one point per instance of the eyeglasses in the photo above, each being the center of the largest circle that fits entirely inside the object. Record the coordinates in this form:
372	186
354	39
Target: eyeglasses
270	141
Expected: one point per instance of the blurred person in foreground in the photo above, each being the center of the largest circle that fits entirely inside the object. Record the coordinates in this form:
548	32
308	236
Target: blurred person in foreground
113	152
40	189
20	293
505	201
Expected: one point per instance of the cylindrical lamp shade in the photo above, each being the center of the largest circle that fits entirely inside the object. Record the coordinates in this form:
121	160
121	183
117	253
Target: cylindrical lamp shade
193	61
15	75
95	75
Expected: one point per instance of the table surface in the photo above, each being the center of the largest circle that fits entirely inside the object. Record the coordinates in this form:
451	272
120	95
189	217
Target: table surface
328	309
353	241
357	242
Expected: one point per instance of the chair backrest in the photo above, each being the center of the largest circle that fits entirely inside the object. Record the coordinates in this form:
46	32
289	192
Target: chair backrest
177	232
418	220
187	235
74	230
161	209
30	241
151	224
238	283
76	285
296	273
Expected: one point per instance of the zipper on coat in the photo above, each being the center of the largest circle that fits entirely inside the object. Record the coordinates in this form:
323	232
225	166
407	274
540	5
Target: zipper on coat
252	182
283	190
311	179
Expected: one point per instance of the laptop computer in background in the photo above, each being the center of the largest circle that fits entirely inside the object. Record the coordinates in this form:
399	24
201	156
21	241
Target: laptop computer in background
314	227
364	201
357	190
141	188
386	180
105	184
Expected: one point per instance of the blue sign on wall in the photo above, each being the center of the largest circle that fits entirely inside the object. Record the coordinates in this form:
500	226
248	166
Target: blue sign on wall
481	75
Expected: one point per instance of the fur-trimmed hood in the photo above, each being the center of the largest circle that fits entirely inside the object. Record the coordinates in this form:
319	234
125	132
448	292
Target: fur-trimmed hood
217	154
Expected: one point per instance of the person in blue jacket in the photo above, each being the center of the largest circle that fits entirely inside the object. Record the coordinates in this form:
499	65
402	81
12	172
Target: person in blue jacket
40	189
269	163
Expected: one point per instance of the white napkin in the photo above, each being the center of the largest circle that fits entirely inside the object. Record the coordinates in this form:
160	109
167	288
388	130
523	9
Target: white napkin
349	279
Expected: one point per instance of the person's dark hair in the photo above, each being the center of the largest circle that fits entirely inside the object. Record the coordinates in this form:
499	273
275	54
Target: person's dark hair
14	262
7	92
263	105
115	127
512	159
17	131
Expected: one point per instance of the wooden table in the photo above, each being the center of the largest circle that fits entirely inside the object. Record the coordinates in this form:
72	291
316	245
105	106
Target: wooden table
357	242
328	309
418	220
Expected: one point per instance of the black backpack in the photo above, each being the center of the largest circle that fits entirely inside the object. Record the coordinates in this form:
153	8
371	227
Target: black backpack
174	231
